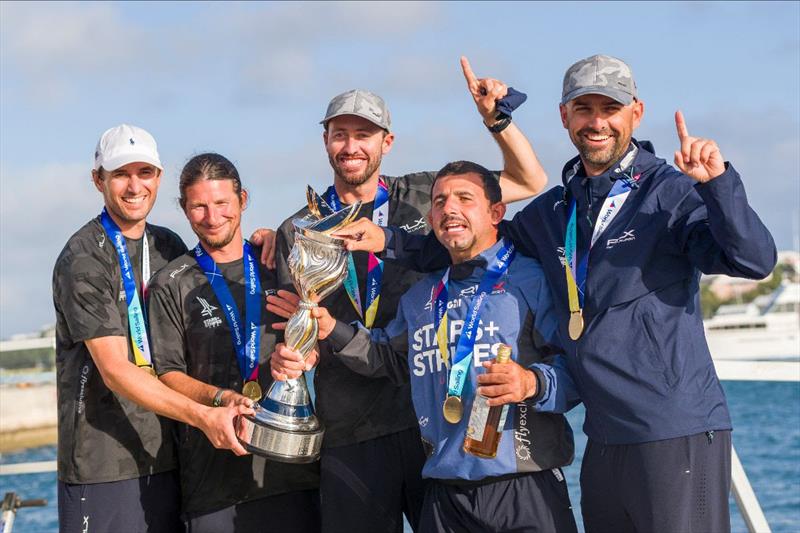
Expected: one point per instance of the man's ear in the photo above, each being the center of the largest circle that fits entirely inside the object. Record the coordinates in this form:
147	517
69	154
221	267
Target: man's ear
498	211
244	199
388	141
97	180
429	219
638	113
562	110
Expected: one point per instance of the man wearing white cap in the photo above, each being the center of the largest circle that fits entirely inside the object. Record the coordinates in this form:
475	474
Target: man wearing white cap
116	457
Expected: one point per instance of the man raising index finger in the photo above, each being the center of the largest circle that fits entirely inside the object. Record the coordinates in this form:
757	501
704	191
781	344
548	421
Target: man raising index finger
371	422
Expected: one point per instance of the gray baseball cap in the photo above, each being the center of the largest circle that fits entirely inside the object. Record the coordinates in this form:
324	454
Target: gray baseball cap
599	74
362	104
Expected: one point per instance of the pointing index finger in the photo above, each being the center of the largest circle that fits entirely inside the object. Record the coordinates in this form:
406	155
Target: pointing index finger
680	124
472	80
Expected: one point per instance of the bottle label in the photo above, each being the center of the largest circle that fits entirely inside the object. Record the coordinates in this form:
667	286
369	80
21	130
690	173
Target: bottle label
502	423
477	418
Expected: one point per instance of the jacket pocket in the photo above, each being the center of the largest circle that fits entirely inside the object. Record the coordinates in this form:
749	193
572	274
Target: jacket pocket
658	342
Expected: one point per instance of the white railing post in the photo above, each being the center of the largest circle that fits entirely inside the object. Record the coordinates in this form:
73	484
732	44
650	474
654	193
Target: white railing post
746	499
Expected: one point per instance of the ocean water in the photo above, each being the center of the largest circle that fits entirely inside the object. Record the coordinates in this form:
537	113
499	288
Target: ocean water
766	419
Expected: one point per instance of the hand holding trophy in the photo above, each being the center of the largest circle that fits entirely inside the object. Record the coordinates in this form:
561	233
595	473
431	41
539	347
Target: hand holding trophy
284	427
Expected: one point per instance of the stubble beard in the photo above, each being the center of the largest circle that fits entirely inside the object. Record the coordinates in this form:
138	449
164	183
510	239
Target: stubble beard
601	159
372	166
218	242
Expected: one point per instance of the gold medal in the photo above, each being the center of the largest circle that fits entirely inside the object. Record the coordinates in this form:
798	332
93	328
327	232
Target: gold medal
575	325
252	390
453	409
150	370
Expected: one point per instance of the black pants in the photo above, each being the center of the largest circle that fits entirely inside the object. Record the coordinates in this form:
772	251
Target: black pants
676	485
532	503
293	512
367	487
149	504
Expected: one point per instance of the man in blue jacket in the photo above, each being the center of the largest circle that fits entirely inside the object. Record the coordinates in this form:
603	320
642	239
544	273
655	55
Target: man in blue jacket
445	336
622	244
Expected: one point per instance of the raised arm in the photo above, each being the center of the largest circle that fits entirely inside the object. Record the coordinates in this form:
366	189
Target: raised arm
716	226
522	175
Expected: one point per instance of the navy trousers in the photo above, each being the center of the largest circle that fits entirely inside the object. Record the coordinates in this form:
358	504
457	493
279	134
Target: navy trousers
532	503
368	486
674	485
149	504
293	512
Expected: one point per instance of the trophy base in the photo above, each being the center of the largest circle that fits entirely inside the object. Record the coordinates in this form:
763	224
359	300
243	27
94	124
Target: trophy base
279	444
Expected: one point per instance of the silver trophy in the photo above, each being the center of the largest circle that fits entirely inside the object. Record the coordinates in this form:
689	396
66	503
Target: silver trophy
284	427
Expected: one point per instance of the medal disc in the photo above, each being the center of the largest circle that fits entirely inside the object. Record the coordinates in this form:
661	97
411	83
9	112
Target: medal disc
150	370
453	409
252	390
575	325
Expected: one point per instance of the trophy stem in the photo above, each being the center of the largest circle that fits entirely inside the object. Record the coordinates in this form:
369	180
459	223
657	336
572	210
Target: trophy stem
284	427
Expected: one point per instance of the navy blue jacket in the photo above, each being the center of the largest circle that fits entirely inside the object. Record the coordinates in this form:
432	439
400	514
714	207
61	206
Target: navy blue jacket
642	365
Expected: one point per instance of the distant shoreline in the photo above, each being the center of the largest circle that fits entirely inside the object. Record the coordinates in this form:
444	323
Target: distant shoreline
27	416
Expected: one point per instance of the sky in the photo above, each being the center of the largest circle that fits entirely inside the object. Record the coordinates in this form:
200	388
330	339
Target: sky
252	81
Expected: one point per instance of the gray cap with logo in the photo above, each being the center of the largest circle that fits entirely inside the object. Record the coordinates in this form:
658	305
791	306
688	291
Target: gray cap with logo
599	74
362	104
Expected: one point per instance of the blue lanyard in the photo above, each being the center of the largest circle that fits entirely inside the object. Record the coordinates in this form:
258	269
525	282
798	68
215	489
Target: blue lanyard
136	316
246	339
380	216
459	370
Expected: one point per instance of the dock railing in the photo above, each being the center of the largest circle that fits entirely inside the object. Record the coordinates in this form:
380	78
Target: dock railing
743	493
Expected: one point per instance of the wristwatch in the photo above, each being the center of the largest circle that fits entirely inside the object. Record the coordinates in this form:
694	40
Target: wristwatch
501	124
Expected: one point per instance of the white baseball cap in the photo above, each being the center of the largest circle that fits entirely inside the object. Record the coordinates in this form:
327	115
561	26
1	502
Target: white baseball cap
125	144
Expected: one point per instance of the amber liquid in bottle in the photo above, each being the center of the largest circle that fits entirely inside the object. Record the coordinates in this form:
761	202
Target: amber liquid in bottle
485	426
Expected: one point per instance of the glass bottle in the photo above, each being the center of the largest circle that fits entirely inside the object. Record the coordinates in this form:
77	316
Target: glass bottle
485	426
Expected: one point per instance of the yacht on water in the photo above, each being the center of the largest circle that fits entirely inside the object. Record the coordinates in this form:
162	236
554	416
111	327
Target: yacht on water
767	328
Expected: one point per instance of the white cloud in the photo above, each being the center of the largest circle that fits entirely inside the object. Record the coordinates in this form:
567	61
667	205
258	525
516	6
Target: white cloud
52	46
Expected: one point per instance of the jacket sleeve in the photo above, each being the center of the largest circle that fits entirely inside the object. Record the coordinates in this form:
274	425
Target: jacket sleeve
719	231
518	229
421	253
284	240
556	392
426	254
381	352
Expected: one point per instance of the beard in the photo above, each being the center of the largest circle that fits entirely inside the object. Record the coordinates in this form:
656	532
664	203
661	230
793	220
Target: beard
217	241
600	158
373	164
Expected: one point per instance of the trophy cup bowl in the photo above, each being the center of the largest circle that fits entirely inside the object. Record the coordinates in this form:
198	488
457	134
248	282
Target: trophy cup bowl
284	427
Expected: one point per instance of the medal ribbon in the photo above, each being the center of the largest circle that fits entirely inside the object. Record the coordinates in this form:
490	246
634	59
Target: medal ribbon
459	370
246	340
136	313
576	271
380	216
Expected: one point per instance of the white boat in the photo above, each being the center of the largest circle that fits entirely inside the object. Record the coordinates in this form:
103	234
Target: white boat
768	328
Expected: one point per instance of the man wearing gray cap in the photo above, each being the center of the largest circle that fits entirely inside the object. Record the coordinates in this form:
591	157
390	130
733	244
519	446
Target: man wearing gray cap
623	243
372	455
116	458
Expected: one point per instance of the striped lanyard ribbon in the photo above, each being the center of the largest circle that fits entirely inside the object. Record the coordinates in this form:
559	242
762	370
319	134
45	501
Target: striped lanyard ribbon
380	216
459	369
576	271
136	312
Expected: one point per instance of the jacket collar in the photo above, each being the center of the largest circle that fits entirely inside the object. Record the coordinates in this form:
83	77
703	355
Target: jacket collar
644	159
479	263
